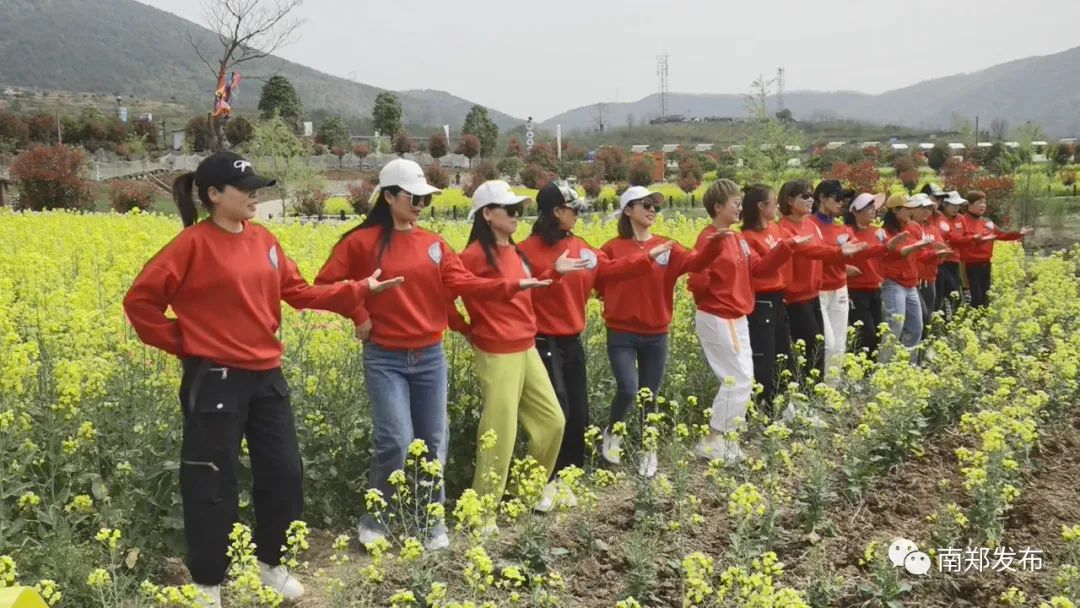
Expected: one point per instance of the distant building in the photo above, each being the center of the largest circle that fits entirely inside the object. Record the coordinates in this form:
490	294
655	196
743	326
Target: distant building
9	92
835	145
899	146
703	147
926	146
639	148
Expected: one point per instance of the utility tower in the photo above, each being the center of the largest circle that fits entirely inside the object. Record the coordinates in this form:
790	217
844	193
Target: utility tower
780	88
662	73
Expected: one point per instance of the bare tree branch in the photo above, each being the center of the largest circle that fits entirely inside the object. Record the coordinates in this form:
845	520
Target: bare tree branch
198	51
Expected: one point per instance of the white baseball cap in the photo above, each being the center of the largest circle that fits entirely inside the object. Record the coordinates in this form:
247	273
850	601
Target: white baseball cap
637	193
919	200
493	192
954	198
866	199
406	175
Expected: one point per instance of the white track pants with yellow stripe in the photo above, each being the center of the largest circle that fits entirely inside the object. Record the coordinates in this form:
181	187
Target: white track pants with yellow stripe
726	343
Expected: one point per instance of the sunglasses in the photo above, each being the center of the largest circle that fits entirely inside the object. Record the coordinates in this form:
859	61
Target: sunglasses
418	201
516	210
649	205
807	196
573	208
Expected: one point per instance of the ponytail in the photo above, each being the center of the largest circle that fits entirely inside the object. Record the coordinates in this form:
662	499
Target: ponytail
182	195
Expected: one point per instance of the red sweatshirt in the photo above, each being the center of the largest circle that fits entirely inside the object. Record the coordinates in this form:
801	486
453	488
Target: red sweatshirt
723	289
226	290
901	269
762	242
953	233
804	280
642	303
496	326
928	259
833	271
868	260
981	251
560	308
412	315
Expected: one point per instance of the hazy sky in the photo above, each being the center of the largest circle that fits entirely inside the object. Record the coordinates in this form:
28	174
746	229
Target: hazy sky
541	58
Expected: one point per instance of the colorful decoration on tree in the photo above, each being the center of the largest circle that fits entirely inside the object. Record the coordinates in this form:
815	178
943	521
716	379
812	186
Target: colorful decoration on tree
226	89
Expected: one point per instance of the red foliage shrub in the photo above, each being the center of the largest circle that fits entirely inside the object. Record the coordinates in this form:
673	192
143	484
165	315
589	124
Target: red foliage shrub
126	195
862	176
50	177
959	174
436	175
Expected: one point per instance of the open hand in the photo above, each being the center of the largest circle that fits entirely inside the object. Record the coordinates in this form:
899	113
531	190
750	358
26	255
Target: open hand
524	284
853	271
375	285
801	240
1026	230
566	264
897	240
660	249
363	331
850	249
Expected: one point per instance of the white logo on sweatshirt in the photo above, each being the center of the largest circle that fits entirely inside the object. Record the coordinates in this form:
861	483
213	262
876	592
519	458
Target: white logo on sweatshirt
664	258
273	256
590	258
435	253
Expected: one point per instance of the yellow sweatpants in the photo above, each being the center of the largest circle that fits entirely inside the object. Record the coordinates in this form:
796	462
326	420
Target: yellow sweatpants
515	388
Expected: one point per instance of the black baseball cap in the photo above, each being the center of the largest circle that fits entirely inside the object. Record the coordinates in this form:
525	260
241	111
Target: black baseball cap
222	169
829	187
558	194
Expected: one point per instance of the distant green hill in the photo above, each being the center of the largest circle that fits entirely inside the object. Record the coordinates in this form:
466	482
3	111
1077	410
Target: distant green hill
1044	89
107	46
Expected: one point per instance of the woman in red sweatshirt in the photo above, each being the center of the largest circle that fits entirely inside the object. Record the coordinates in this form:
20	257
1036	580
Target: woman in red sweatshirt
560	310
978	254
404	364
770	337
638	309
950	287
515	387
801	295
225	279
864	282
724	296
899	290
929	259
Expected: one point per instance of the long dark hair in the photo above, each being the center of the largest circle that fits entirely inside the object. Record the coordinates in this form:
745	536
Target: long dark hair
481	231
892	223
754	195
626	226
547	227
378	217
182	195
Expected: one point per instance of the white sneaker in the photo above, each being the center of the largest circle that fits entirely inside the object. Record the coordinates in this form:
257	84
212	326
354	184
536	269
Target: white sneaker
279	579
715	447
556	493
610	449
209	596
647	466
438	540
366	535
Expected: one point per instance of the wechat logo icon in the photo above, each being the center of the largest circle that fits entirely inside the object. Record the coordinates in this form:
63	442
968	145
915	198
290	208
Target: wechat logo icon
903	552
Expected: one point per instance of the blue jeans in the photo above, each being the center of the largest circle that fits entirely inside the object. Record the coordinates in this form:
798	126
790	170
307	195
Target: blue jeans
637	361
408	401
903	312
